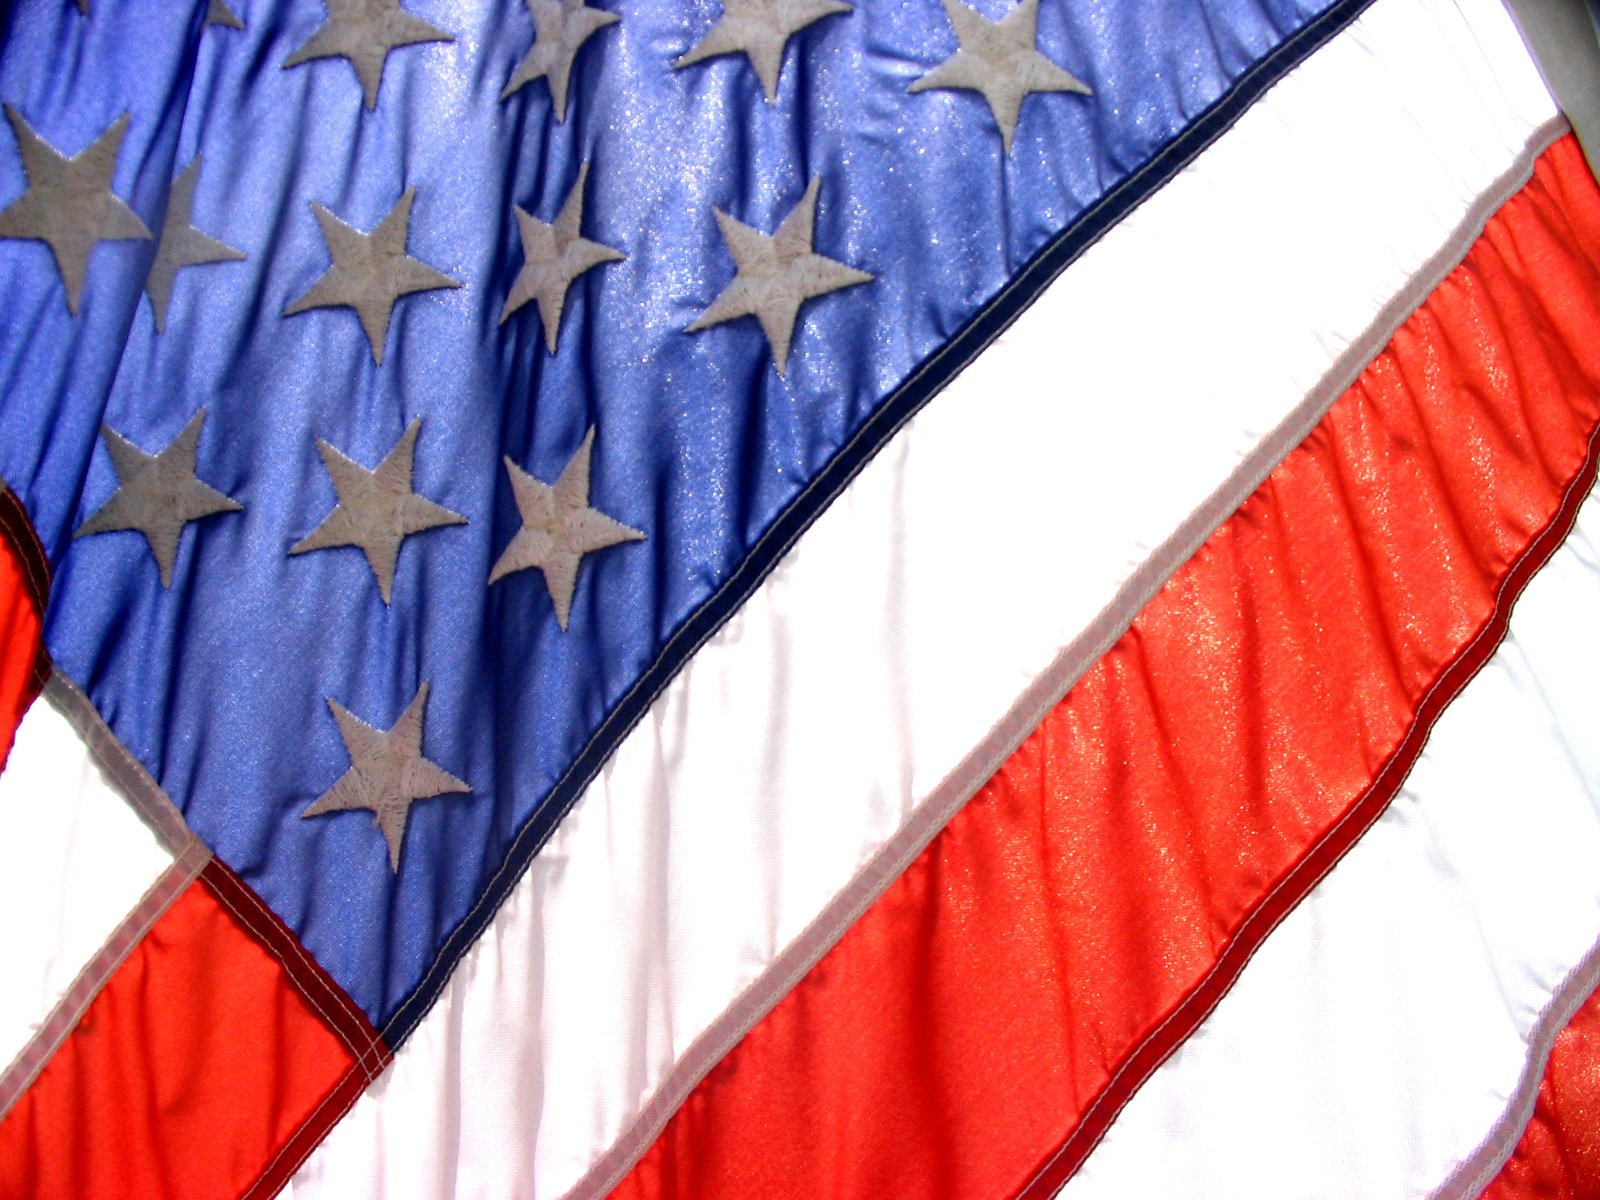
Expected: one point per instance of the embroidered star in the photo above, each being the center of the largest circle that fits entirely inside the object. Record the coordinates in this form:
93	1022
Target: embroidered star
220	14
157	494
377	509
68	204
370	271
558	528
760	29
554	256
182	245
364	32
560	28
998	59
777	273
387	772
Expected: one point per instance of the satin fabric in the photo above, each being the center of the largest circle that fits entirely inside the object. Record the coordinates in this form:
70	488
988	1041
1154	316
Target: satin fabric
743	818
220	686
1257	717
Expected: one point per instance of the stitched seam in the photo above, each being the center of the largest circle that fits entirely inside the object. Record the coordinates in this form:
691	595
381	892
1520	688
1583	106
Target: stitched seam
1156	170
312	978
1494	627
336	1026
139	789
371	1049
145	796
68	1011
1481	1166
308	1123
953	793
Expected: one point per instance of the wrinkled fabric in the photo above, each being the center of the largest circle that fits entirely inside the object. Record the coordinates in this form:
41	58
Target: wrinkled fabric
976	1032
220	685
740	825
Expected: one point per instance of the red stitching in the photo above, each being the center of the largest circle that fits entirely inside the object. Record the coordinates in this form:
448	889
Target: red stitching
264	1183
310	982
1299	880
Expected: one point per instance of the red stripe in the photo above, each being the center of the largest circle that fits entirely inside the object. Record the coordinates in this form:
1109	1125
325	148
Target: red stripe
976	1031
24	583
197	1070
1558	1156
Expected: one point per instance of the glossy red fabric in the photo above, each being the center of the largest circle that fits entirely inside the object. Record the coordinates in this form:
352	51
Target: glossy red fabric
23	585
1558	1156
974	1033
188	1075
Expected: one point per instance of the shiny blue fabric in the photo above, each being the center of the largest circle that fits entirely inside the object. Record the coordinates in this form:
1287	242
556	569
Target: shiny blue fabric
219	685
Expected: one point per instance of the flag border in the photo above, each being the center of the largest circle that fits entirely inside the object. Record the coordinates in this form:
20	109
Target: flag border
927	380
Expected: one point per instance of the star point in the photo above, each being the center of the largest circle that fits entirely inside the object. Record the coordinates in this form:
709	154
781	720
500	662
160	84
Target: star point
558	528
999	59
365	33
68	204
554	256
377	510
370	271
760	30
388	773
220	14
777	273
560	28
157	494
181	245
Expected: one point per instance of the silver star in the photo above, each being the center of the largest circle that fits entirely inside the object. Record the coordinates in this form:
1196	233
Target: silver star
220	14
560	28
387	772
998	59
182	245
370	271
558	528
68	204
364	32
554	256
157	494
377	509
760	29
776	275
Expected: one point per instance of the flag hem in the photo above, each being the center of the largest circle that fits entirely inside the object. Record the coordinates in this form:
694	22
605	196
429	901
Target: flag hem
1321	857
872	435
1479	1169
1008	733
97	972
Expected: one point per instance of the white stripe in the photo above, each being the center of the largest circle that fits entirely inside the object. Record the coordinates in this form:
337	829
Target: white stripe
937	590
58	808
1378	1034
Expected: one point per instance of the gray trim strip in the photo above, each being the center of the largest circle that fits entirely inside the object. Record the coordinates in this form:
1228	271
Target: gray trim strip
137	785
75	1001
1480	1168
190	855
981	763
1561	35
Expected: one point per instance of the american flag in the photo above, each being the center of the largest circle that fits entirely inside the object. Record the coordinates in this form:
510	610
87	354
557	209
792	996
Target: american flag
774	597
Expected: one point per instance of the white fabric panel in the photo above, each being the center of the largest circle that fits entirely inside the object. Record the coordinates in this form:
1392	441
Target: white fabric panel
807	731
57	807
1378	1034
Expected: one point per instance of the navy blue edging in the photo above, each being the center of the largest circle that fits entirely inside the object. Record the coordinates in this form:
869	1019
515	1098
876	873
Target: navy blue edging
880	426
